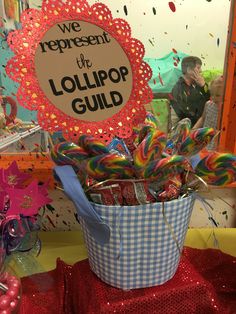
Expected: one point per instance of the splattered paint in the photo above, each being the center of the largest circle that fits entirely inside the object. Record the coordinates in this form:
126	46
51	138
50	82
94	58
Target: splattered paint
213	220
160	79
151	42
172	6
155	11
50	220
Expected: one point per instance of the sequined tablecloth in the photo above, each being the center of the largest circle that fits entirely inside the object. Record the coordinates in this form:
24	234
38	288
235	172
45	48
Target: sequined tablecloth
205	282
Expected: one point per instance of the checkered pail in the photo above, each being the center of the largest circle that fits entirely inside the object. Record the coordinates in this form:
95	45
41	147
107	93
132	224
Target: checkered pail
145	242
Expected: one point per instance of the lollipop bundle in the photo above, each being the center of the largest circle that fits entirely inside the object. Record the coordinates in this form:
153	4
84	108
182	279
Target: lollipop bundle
156	173
156	167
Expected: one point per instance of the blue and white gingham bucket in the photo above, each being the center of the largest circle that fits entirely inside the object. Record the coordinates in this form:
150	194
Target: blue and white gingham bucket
144	244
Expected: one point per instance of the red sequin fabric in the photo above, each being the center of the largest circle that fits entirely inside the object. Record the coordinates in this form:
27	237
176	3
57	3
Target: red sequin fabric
47	293
205	282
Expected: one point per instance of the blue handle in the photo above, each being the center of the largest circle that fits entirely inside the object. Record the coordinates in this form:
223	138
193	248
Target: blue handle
73	189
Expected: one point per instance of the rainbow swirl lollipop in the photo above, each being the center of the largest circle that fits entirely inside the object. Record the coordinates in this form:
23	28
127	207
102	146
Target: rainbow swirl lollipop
164	168
60	159
151	120
181	132
150	124
109	166
143	132
65	153
150	148
92	145
217	168
136	131
73	151
196	141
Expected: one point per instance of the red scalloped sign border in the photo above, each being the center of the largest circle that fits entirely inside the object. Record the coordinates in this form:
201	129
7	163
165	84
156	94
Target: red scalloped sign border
21	68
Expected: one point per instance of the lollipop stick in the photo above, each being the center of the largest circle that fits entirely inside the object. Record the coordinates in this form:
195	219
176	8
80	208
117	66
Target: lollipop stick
50	141
58	188
3	287
216	135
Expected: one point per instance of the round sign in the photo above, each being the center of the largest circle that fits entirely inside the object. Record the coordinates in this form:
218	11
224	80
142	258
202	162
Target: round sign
83	70
80	69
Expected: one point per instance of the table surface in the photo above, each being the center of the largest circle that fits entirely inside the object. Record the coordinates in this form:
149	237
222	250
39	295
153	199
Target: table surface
69	246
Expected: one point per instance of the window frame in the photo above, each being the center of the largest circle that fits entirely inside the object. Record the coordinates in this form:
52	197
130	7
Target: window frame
227	141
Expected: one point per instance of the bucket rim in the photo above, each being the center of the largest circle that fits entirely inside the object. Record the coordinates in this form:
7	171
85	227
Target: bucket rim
189	197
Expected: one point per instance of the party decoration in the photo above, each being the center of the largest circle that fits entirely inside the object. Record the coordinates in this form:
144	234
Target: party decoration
92	145
151	120
164	168
161	167
171	189
172	6
67	153
196	141
180	132
149	125
150	148
142	133
20	201
119	146
101	84
26	202
12	176
10	287
108	166
147	192
217	168
10	118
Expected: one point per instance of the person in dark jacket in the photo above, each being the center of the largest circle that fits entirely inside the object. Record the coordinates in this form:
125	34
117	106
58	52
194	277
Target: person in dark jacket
191	92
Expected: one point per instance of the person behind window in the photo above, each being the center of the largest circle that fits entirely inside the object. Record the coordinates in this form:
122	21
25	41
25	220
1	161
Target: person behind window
212	108
190	93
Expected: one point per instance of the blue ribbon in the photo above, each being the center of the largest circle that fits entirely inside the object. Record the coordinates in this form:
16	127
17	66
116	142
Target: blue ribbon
72	187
